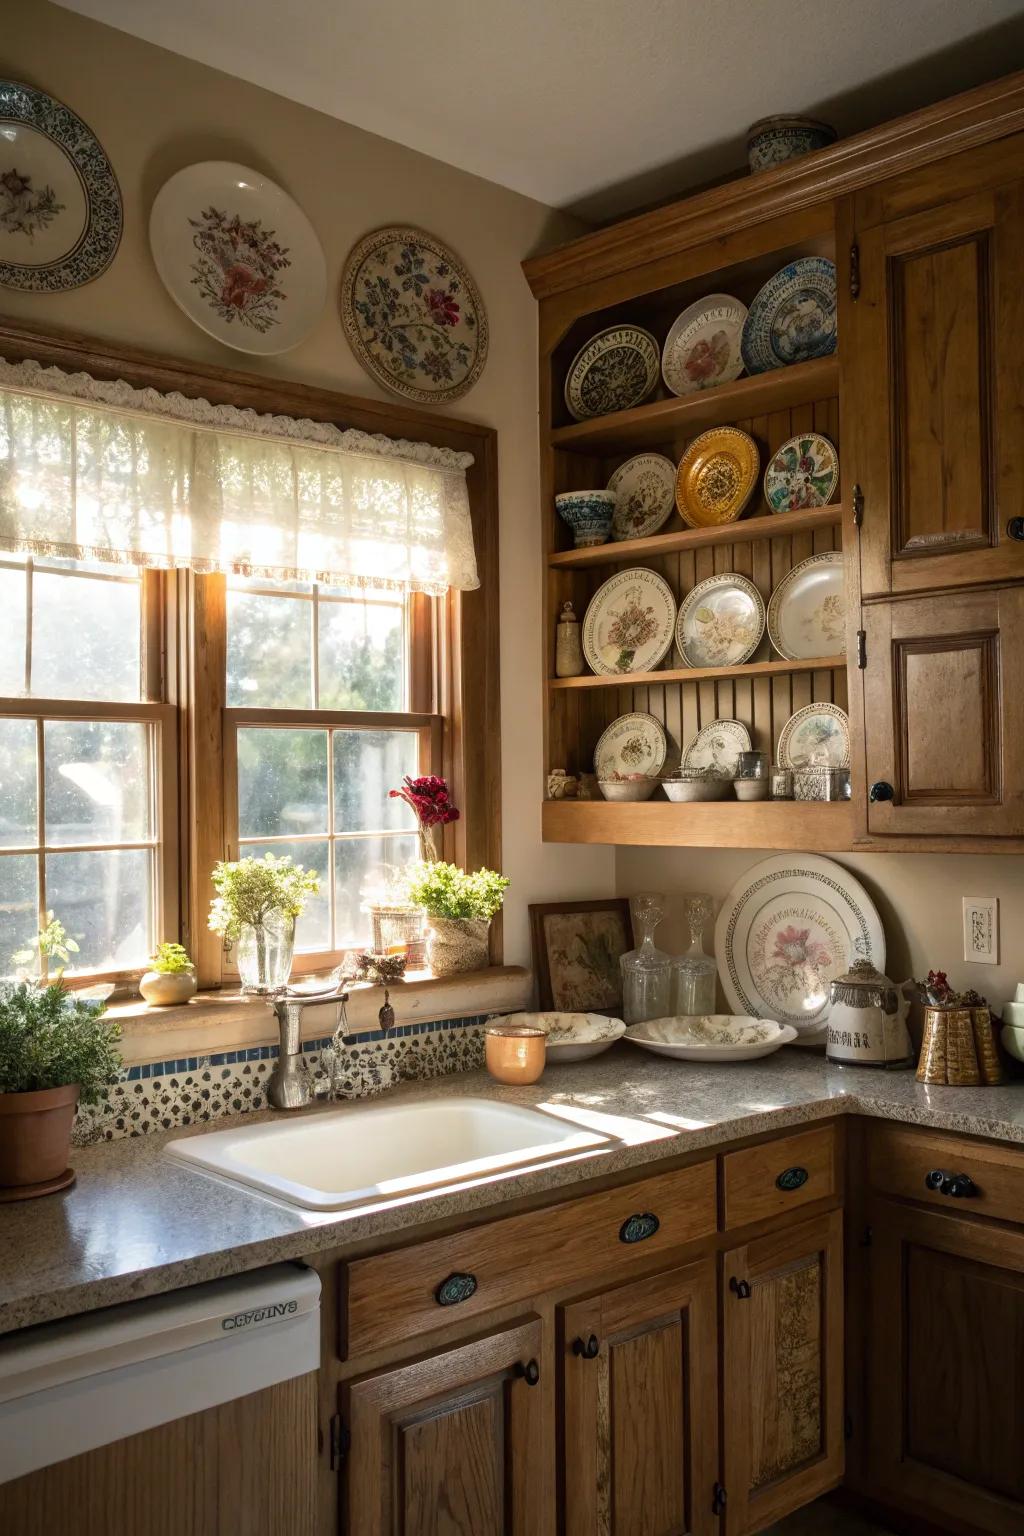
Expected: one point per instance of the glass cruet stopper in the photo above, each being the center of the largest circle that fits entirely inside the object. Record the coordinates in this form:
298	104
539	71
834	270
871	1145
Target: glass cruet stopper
696	974
646	970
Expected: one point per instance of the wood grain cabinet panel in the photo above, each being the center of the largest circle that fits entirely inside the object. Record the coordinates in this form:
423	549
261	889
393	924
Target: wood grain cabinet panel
778	1176
901	1159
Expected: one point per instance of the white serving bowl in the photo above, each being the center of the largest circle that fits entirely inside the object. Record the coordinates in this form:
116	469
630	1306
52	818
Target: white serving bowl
572	1036
699	787
750	789
711	1037
627	789
1013	1041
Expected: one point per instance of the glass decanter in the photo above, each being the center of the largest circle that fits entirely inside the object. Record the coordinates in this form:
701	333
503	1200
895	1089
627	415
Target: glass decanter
695	973
646	970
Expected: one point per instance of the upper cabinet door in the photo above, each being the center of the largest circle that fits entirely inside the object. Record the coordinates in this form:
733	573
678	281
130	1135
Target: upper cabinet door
933	402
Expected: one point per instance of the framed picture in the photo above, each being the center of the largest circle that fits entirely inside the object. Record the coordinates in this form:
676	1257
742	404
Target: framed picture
576	950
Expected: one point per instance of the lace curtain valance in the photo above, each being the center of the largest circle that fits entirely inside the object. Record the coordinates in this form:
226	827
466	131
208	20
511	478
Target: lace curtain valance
96	470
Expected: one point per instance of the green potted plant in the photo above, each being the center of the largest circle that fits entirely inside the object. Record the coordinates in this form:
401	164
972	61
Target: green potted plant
55	1049
171	977
254	911
459	909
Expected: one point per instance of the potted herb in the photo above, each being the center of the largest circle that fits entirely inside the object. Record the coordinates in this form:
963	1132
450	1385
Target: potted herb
459	910
55	1049
254	911
171	977
52	942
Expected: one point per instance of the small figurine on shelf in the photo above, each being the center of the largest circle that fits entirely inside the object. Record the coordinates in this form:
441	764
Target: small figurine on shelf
568	649
936	989
562	785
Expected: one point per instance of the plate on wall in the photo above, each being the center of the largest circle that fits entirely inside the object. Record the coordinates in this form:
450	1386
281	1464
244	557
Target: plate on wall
804	472
720	622
413	315
634	743
616	370
807	611
702	348
239	256
716	748
793	317
645	495
629	623
716	476
817	736
60	204
787	928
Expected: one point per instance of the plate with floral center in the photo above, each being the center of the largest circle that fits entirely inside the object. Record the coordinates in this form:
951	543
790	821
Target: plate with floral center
703	346
716	476
616	370
716	748
720	622
804	472
629	623
807	611
634	743
793	317
817	736
644	489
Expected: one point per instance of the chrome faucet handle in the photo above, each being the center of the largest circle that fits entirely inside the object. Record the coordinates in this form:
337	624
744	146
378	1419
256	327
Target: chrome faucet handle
291	1085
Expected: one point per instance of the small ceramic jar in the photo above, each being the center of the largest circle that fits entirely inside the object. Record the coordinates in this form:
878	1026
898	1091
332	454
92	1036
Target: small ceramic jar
752	765
568	648
164	989
515	1053
782	783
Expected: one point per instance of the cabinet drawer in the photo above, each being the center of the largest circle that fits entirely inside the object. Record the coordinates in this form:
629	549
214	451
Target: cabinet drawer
779	1176
916	1165
592	1238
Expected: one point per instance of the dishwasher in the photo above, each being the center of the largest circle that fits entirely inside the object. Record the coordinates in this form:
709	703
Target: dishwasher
86	1382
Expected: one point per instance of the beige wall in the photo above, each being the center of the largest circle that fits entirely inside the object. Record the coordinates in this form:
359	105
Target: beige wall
155	112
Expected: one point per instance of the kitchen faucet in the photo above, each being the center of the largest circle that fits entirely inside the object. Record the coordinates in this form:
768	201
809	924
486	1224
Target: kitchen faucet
290	1085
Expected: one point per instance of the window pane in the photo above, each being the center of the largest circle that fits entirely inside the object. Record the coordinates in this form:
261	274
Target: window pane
103	900
362	866
362	655
12	652
19	911
366	765
313	929
97	781
269	651
282	782
17	785
86	637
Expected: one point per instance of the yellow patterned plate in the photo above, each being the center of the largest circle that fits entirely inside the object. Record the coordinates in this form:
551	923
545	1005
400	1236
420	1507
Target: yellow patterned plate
716	476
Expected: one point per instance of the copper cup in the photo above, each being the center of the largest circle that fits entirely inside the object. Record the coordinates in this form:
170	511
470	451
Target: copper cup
515	1053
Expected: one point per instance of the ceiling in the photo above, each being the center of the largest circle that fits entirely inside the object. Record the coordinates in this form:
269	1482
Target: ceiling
598	106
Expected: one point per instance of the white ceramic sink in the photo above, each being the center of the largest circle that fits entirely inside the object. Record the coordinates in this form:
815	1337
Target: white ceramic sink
358	1155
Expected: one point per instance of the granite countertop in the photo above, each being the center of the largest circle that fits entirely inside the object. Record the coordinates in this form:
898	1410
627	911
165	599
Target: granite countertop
137	1223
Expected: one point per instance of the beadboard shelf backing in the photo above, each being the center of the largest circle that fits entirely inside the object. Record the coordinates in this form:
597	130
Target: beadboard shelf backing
713	824
748	530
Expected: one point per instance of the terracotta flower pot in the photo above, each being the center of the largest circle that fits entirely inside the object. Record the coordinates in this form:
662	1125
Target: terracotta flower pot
456	944
35	1134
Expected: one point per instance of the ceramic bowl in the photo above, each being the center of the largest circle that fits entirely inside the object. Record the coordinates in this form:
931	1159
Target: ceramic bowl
627	789
772	140
572	1036
695	786
750	789
1013	1041
589	514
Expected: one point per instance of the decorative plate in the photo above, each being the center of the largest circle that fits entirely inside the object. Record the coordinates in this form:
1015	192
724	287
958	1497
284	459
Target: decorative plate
634	743
645	493
60	205
817	736
720	622
711	1037
616	370
807	611
238	256
413	315
803	473
629	623
787	928
716	748
716	475
703	347
571	1036
793	317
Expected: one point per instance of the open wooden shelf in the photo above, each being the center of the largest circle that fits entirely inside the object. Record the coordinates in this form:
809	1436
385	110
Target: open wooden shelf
701	674
646	426
711	824
774	526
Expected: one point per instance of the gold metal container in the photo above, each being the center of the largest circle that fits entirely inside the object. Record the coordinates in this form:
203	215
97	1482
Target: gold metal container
949	1051
515	1053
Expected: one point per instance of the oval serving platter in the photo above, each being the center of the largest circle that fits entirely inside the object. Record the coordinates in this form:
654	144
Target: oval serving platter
716	477
634	743
702	348
804	472
817	736
710	1037
807	610
793	317
629	623
716	748
720	622
614	371
645	494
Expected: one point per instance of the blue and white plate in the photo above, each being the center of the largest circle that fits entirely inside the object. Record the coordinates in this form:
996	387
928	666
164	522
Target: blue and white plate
616	370
793	317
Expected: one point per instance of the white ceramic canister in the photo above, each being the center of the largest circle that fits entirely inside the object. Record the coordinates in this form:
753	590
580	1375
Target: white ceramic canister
867	1022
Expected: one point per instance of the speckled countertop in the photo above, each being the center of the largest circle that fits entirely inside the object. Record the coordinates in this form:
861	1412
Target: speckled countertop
136	1223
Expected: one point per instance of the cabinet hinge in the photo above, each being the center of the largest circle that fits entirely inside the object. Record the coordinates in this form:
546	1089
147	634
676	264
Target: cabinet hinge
858	506
718	1499
855	271
862	649
341	1439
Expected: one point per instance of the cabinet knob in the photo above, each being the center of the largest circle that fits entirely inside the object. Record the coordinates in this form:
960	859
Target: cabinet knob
792	1178
588	1349
880	790
530	1372
936	1179
455	1289
962	1187
739	1288
638	1227
1015	528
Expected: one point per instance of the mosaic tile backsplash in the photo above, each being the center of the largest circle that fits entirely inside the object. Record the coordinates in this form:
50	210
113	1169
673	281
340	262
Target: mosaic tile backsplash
162	1095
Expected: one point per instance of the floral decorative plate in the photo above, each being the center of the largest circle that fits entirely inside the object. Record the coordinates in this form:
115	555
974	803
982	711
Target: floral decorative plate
703	347
616	370
60	205
817	736
710	1037
645	493
807	611
716	475
716	748
629	623
413	315
634	743
720	622
238	256
787	928
803	473
793	317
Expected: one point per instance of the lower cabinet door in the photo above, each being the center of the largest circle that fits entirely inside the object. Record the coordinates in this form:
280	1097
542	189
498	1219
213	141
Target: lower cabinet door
455	1444
782	1385
946	1368
640	1410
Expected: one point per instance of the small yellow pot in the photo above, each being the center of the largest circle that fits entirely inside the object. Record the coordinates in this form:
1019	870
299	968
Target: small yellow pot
163	989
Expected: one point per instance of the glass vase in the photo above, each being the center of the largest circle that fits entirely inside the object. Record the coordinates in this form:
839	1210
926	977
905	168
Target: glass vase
646	970
428	844
696	974
264	954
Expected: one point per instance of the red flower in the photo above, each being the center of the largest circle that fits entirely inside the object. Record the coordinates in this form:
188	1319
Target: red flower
442	306
428	797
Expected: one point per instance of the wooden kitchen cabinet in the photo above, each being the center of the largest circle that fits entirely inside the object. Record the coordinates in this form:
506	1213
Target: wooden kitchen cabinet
639	1392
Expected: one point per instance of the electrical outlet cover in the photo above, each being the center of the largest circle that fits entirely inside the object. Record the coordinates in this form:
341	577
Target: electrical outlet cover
981	930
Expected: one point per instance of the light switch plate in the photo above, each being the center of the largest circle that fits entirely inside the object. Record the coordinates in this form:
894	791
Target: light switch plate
981	930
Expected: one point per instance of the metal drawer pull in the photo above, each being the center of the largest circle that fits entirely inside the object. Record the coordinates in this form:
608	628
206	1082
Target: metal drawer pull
740	1288
960	1185
638	1228
589	1350
792	1178
455	1289
530	1372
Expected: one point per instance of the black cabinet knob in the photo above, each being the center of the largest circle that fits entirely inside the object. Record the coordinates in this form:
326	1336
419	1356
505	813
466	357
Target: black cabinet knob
740	1288
936	1179
880	790
530	1372
1015	528
587	1349
962	1187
